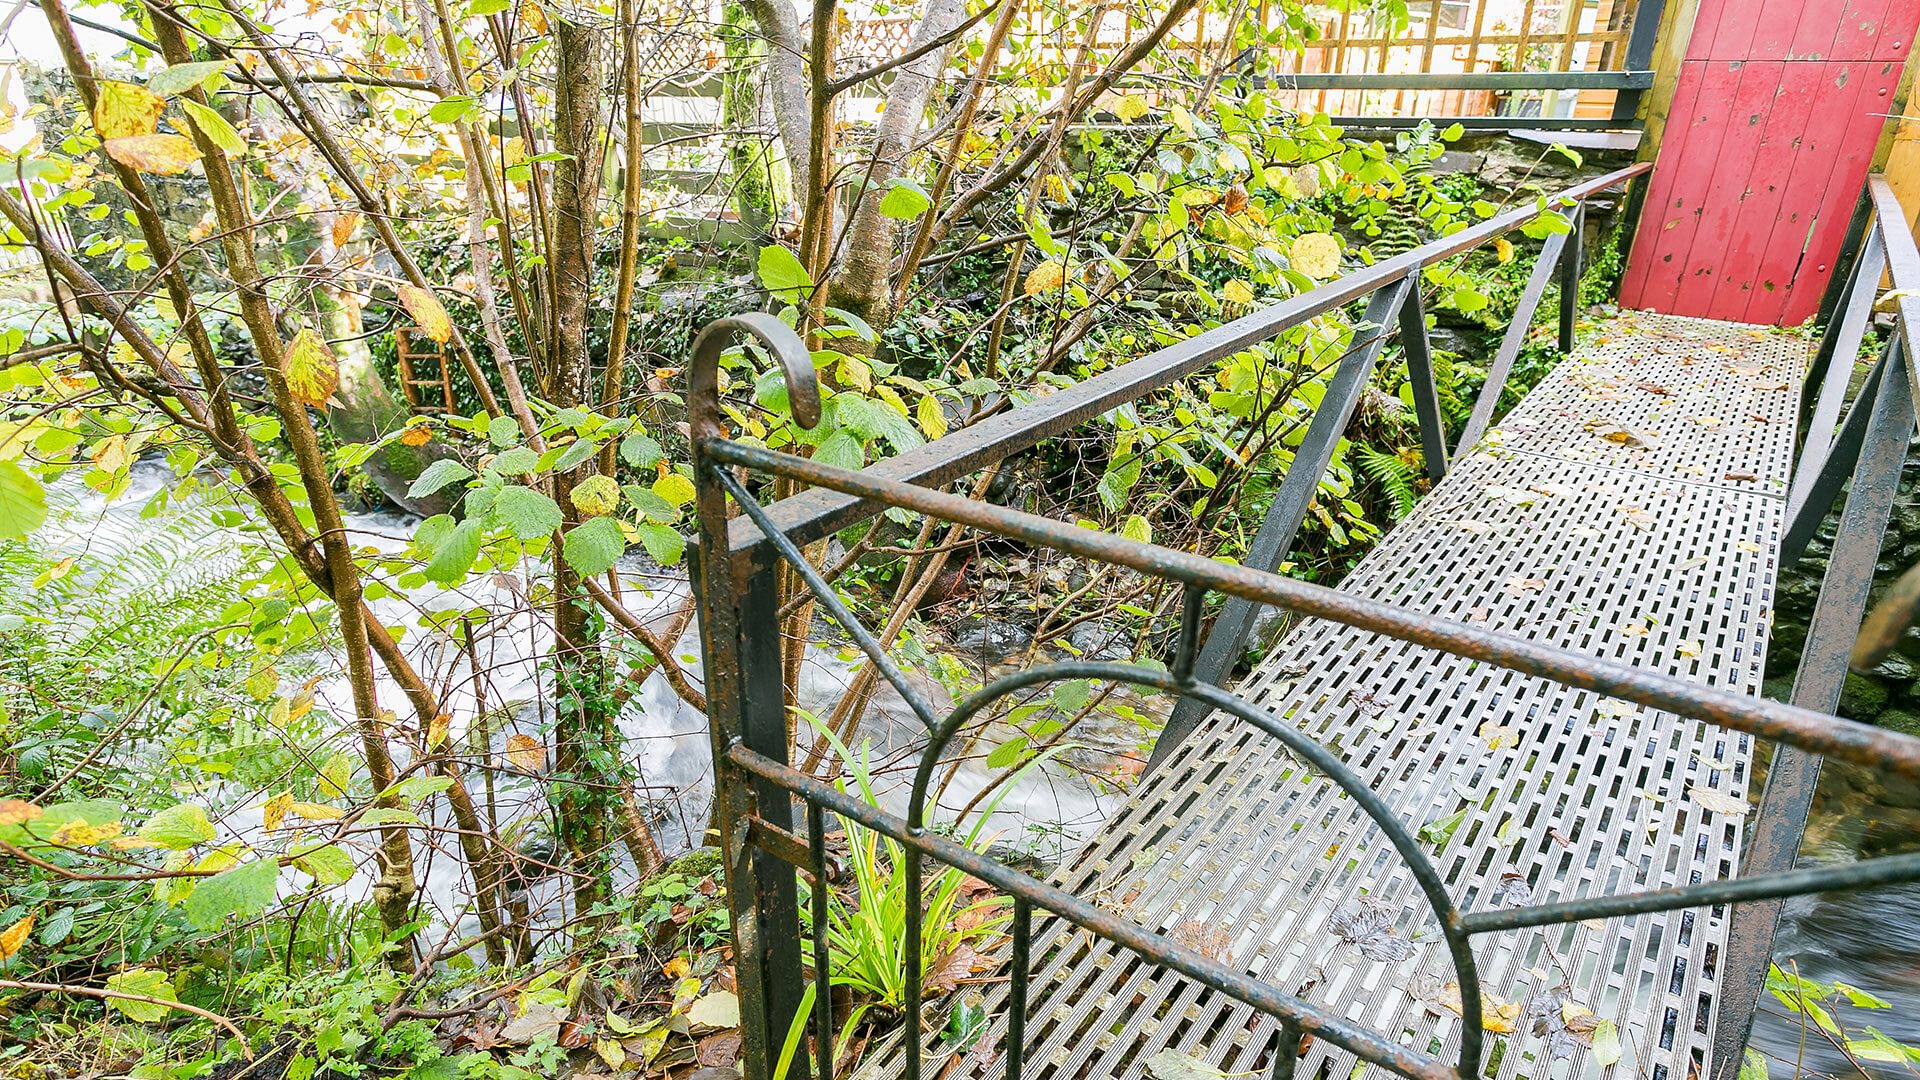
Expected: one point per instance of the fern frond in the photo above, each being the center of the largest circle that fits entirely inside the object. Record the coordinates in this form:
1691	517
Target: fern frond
1394	476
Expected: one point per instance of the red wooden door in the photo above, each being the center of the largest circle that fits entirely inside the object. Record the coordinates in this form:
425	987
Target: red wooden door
1773	125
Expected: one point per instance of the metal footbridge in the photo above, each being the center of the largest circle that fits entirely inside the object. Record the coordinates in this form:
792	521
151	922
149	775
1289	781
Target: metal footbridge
1485	811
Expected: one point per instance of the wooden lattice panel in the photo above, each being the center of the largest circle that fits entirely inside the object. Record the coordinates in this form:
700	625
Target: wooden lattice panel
1235	849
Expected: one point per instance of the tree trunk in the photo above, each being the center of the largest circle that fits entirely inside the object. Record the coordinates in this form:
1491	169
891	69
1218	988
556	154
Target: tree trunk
586	741
786	76
863	283
740	110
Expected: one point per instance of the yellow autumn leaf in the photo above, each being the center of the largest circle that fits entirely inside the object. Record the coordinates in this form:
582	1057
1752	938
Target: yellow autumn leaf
1316	254
343	227
596	495
123	109
427	312
17	811
275	810
15	936
1055	187
1503	249
165	155
1130	107
1046	277
1237	292
933	418
312	372
1496	1017
526	753
81	834
437	729
417	435
314	811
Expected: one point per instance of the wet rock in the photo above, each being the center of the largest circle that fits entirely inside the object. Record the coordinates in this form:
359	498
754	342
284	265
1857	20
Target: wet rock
988	639
1862	698
1101	640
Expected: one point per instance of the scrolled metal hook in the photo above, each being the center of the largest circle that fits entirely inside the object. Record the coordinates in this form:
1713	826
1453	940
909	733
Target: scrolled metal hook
787	349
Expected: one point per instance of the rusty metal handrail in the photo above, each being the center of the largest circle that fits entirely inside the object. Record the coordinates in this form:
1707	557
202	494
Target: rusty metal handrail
736	568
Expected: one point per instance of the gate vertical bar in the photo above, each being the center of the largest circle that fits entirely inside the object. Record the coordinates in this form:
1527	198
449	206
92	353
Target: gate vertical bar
1793	775
738	608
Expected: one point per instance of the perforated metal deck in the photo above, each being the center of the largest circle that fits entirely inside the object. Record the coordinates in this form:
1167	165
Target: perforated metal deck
1631	508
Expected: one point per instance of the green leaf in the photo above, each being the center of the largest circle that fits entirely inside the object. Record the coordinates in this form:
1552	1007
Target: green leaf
526	513
415	788
503	431
1441	830
214	127
145	982
1007	752
336	775
181	78
664	544
905	200
242	892
1606	1040
576	452
1753	1065
592	547
436	476
1137	528
1453	131
23	502
640	450
782	274
1860	998
178	827
454	557
330	864
518	461
651	506
480	9
841	450
449	110
1072	695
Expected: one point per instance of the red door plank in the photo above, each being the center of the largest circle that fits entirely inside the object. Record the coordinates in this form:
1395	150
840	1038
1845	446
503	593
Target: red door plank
1746	119
1813	149
1733	34
1657	215
1775	27
1760	203
1706	26
1695	172
1897	31
1859	27
1843	187
1813	35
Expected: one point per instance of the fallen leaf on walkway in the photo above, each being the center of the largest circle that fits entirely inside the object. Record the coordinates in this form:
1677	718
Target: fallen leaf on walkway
1171	1064
1638	517
1499	735
1653	388
950	968
1518	585
1496	1016
1367	924
1717	801
1513	890
1741	476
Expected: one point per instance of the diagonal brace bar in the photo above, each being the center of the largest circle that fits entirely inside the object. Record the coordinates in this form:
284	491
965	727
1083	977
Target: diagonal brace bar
1275	539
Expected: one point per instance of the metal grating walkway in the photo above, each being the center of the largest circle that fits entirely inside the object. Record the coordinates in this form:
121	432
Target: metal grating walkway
1630	507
